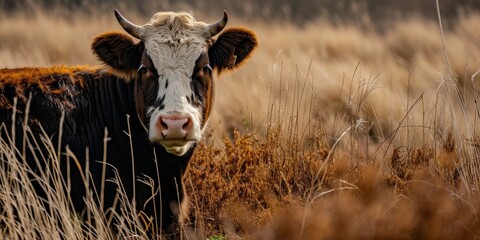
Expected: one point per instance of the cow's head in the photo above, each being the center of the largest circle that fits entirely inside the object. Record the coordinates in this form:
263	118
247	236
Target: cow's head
172	66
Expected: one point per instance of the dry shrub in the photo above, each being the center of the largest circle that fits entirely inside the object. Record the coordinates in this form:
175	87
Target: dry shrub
404	166
367	207
237	188
257	188
425	211
272	188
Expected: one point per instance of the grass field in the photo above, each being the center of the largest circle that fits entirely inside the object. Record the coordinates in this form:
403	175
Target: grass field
331	131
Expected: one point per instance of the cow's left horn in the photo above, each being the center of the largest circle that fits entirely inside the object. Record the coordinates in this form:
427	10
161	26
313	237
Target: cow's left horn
217	27
131	28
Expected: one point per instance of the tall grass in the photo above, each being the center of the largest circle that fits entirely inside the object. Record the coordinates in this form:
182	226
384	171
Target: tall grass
28	214
330	131
371	136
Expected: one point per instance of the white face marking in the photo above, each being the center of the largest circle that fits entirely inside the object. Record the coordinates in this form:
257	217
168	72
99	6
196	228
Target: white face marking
174	43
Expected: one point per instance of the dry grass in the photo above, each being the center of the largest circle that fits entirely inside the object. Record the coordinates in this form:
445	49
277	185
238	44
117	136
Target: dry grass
26	215
341	132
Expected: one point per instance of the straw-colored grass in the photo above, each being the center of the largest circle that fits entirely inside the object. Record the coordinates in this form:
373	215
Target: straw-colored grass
330	131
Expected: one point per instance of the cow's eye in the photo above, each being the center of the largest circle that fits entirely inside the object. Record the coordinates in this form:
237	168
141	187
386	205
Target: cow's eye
142	69
207	68
147	72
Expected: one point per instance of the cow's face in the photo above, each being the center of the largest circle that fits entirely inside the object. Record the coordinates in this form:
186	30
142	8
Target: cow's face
172	67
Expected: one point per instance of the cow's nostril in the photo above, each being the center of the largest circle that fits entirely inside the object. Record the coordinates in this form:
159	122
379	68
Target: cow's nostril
164	125
186	124
174	126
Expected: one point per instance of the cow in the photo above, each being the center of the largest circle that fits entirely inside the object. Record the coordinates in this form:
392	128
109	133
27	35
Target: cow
151	97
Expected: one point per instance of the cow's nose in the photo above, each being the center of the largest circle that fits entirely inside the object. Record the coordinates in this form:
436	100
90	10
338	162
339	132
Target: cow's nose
174	126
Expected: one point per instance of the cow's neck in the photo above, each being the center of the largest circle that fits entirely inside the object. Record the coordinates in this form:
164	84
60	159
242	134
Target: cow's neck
113	103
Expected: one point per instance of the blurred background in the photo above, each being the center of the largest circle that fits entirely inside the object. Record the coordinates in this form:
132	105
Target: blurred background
295	11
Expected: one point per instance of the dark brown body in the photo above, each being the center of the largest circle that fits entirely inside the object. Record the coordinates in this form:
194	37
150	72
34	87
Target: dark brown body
93	100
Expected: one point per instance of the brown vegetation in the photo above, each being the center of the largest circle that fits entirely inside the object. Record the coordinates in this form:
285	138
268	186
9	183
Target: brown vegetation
331	131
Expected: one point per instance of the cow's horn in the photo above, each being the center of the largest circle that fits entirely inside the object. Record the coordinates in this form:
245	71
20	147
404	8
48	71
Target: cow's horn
217	27
131	28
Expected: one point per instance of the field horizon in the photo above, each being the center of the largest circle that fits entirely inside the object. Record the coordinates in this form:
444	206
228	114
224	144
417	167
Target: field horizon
332	130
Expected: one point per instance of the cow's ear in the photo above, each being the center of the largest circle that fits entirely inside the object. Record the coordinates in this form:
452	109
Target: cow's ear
119	52
232	48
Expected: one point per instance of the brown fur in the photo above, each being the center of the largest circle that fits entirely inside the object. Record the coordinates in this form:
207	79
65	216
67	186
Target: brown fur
119	52
29	75
23	78
234	43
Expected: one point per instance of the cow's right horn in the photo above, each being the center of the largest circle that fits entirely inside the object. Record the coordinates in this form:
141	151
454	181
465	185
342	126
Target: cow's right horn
131	28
